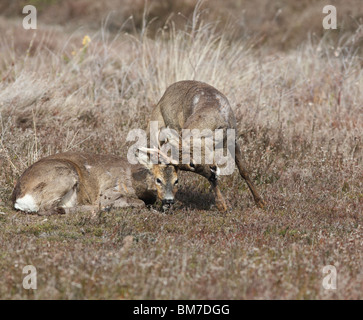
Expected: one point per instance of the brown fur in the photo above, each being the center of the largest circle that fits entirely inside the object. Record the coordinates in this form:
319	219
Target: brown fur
197	105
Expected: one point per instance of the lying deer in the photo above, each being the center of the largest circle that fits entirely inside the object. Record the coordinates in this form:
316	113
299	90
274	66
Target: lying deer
72	181
197	105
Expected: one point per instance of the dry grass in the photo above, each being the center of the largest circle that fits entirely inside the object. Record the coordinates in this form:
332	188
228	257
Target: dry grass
300	120
277	25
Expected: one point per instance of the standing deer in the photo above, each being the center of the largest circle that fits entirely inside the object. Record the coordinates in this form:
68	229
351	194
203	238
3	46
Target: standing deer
71	181
197	105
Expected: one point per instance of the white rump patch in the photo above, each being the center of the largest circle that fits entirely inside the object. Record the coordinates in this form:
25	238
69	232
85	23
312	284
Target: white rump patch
26	203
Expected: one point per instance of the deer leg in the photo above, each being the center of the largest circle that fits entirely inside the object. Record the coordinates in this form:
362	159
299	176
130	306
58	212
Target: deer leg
220	203
61	210
211	172
114	199
52	211
125	202
244	174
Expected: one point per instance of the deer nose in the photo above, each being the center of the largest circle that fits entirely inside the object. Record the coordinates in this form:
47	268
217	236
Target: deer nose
168	201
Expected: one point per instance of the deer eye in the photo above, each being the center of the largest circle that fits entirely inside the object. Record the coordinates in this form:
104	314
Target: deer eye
158	181
176	182
192	165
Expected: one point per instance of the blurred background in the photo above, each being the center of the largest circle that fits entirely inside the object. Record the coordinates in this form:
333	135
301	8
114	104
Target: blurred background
278	25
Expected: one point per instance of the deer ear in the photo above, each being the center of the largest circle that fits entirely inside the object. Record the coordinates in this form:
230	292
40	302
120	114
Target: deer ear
143	158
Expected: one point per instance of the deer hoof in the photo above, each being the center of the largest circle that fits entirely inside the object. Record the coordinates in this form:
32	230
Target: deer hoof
221	206
260	203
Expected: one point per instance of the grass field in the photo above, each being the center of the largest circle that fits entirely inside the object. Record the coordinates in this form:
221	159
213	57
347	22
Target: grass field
299	108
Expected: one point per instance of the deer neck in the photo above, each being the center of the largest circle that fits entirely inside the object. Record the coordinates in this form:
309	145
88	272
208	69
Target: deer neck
143	184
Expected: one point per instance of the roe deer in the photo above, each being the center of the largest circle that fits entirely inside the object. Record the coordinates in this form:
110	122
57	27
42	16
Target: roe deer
71	181
197	105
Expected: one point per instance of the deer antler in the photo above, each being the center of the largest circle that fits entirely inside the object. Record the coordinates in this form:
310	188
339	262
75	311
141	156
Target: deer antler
170	136
162	156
